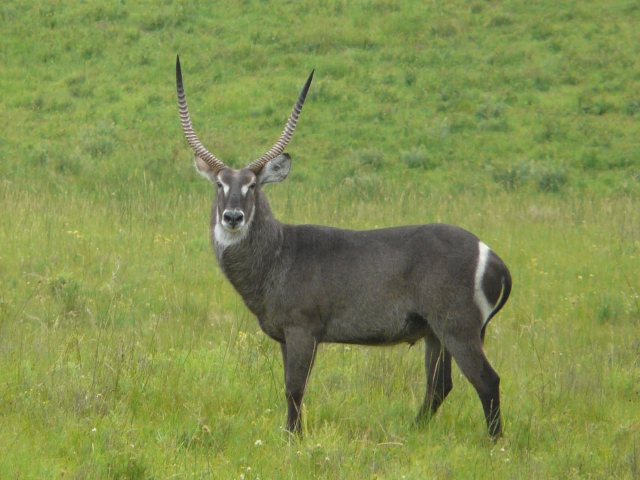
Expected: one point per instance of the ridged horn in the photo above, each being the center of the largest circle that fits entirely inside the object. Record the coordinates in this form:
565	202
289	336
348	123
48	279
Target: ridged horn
287	133
187	128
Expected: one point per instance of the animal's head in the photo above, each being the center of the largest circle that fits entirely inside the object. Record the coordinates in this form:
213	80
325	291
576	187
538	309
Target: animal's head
237	189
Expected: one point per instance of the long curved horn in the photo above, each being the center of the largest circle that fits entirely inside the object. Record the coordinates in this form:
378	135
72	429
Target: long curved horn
281	144
187	128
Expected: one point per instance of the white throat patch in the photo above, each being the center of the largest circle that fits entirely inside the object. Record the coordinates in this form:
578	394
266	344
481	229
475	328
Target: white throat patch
225	238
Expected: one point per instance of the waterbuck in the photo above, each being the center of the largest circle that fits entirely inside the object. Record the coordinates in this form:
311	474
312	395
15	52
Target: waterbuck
309	284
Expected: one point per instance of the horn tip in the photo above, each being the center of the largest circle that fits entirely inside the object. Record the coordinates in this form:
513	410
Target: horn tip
306	86
178	71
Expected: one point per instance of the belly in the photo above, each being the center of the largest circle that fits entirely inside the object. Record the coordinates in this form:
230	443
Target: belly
377	331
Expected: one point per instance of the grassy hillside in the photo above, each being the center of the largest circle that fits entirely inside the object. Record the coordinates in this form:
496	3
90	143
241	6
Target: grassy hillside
124	353
544	94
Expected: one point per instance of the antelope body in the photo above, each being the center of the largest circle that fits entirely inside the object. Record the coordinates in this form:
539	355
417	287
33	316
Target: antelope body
309	284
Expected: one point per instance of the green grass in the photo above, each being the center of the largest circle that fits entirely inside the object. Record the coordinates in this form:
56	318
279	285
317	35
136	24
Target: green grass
124	353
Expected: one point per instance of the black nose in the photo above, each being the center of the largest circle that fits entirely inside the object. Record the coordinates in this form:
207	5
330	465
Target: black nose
233	217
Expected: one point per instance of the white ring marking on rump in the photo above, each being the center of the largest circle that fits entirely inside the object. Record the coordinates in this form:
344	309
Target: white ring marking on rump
478	294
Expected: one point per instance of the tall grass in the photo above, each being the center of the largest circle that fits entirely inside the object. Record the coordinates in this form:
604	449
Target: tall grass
124	353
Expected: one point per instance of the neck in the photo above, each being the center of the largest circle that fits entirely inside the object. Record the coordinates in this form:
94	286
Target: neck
248	258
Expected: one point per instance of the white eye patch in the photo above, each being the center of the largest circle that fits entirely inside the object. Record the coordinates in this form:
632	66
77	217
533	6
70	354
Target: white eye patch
225	187
245	188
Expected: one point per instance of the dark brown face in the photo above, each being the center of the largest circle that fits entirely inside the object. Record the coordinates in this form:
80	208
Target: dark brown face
235	200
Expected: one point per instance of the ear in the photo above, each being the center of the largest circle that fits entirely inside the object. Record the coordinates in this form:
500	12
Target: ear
204	169
276	170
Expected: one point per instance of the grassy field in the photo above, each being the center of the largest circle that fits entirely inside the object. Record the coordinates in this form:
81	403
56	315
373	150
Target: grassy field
124	353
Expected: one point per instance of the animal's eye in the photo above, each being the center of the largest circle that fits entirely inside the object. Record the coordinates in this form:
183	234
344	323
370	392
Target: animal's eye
218	184
252	186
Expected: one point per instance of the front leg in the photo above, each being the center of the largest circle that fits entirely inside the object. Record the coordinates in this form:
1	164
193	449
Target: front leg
298	353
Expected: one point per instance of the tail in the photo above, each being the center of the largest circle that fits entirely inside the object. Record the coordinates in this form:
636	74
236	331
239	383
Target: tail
504	296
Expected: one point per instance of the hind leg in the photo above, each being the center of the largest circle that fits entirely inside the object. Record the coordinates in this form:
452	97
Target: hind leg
437	361
474	365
